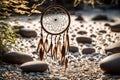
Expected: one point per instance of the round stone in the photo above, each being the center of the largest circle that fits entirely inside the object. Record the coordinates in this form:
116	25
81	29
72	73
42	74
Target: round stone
34	66
107	24
114	48
100	17
27	33
103	31
111	64
18	27
17	58
88	50
84	40
73	49
82	32
115	28
79	18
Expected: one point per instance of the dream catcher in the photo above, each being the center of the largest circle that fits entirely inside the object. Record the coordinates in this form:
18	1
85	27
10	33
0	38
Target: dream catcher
55	21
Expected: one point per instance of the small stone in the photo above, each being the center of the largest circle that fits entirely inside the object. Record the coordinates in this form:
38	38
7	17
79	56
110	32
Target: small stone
115	28
103	31
63	78
17	58
73	49
34	66
33	46
18	27
84	40
100	17
73	35
114	48
88	50
93	35
111	64
27	33
79	18
107	24
82	32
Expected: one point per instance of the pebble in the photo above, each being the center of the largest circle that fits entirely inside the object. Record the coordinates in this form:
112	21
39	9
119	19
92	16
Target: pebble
88	50
16	57
114	48
27	33
84	40
82	32
115	28
100	17
79	18
34	66
73	49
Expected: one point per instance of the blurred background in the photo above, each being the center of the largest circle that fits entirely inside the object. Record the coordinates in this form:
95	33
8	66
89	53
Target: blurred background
13	7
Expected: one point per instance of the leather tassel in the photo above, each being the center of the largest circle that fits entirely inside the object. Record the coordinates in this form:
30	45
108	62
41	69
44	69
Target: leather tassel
41	54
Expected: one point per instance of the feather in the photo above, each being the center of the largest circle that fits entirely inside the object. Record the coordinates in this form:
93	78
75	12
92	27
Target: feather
41	54
55	51
67	42
66	63
40	44
62	53
51	47
46	45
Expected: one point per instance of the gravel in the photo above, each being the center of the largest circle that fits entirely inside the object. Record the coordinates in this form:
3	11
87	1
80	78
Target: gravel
83	66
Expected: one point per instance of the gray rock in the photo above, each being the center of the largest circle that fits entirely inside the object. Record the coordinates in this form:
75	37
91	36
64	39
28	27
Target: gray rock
27	33
84	40
88	50
100	17
82	32
73	49
115	28
93	35
17	58
18	27
79	18
34	66
114	48
103	31
107	24
111	64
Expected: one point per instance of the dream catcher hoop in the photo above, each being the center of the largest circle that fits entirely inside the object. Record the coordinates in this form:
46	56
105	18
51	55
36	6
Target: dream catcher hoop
55	21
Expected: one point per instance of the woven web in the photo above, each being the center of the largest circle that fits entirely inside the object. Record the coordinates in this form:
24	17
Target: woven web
55	20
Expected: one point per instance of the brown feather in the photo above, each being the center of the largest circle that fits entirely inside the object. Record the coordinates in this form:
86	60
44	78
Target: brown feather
41	54
62	53
67	43
46	45
55	51
40	44
51	47
66	63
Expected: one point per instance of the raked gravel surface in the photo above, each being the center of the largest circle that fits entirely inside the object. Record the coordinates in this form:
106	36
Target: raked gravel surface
80	66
